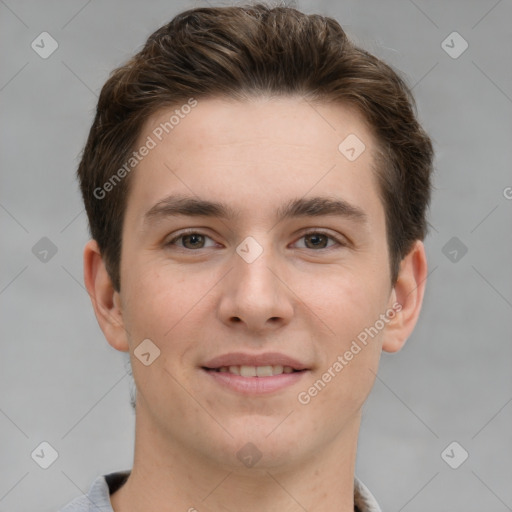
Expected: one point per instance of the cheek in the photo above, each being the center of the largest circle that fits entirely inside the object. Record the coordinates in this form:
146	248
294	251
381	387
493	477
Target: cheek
347	302
151	308
167	306
162	308
349	351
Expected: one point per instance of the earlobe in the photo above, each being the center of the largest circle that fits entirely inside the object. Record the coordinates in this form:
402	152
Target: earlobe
105	300
407	296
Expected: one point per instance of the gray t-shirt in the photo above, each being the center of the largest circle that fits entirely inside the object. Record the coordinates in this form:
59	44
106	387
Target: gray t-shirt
97	498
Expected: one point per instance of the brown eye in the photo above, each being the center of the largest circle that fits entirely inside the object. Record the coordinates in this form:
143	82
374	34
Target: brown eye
319	240
193	241
190	241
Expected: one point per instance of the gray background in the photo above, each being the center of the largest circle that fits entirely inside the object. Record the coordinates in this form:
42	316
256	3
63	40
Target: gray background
62	383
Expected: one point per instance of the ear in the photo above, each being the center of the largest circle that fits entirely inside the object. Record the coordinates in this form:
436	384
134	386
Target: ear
105	300
407	298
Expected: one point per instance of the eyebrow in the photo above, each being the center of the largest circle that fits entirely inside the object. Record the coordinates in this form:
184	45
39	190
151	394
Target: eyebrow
178	205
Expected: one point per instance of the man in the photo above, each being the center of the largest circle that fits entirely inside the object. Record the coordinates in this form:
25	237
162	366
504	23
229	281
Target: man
256	188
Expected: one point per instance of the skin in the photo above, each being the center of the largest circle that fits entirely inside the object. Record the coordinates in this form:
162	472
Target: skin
199	299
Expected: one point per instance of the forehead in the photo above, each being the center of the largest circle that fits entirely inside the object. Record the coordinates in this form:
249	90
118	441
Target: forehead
255	152
288	119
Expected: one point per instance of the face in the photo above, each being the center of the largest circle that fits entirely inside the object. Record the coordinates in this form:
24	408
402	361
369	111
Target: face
280	277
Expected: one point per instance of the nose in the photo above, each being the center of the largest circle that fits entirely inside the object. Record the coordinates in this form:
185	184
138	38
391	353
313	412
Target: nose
255	294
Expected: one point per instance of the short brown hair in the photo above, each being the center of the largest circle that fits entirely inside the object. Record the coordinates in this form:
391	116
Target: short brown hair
249	50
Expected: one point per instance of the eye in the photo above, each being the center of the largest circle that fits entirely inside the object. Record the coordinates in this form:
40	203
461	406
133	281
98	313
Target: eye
190	240
319	239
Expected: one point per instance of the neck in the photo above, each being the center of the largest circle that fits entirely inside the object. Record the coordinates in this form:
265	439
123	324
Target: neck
168	477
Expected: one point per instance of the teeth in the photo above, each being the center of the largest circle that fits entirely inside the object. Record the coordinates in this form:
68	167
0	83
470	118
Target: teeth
263	371
234	369
256	371
248	371
277	370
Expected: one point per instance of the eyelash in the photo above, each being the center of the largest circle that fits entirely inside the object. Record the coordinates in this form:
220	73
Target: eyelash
312	232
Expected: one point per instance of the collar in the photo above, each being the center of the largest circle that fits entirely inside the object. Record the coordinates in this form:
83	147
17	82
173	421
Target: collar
98	497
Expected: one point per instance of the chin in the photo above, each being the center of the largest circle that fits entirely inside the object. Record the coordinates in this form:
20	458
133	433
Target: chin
260	443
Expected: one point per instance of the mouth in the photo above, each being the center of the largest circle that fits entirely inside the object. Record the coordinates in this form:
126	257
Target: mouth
255	374
254	371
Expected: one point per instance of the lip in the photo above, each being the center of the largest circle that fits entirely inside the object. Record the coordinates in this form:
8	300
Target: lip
255	385
245	359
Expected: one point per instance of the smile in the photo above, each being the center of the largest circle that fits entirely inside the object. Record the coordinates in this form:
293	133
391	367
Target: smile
256	371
